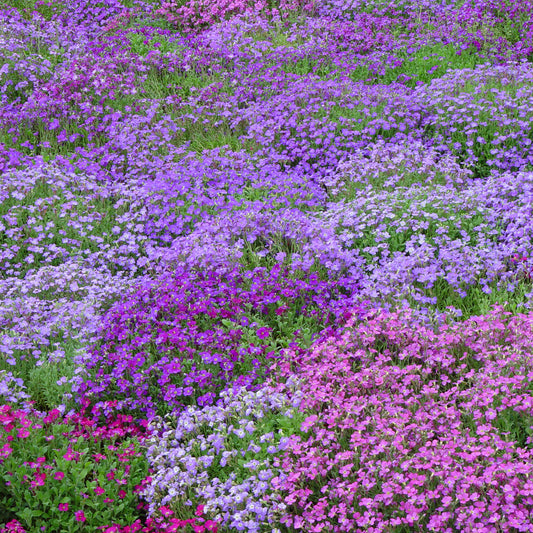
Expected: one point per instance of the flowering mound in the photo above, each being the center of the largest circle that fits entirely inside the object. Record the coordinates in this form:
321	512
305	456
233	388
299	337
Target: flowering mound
388	166
438	245
315	124
58	471
412	428
223	454
481	115
254	236
183	338
198	13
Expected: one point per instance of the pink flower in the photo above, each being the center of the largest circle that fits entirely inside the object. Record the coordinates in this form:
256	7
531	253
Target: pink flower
70	455
63	506
58	476
80	516
52	416
23	434
211	526
308	422
6	450
39	480
99	490
14	526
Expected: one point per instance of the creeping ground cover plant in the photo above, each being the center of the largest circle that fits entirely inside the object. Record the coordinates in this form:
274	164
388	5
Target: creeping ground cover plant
266	266
406	426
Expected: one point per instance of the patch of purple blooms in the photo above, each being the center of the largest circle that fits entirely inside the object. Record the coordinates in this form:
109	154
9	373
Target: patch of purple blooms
183	338
196	195
223	454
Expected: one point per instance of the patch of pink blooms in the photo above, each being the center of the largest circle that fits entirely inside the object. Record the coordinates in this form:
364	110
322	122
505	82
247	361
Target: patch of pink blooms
198	13
414	428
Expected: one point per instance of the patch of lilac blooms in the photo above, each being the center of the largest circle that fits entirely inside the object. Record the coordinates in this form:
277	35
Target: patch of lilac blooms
194	457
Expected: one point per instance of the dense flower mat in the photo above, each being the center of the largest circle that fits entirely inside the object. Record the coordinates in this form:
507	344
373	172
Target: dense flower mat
266	266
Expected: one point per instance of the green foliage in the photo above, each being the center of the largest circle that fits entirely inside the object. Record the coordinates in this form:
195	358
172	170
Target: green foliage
50	476
515	426
46	8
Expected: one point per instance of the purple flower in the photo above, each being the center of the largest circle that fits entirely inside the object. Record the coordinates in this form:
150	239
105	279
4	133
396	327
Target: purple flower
263	332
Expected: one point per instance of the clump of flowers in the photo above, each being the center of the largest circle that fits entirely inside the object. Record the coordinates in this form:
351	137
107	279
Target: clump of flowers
183	338
253	236
480	115
63	472
12	389
411	427
198	13
387	166
437	245
166	522
223	454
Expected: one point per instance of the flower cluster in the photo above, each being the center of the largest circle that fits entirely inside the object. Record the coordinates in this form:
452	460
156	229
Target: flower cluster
411	427
199	13
435	244
224	455
183	338
62	471
482	115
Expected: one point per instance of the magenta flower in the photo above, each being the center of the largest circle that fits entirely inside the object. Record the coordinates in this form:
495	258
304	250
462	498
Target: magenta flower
70	455
58	476
52	416
166	511
39	480
6	450
80	516
63	506
14	526
263	333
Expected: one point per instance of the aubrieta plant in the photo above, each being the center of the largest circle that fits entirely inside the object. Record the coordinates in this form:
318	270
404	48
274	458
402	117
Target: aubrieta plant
196	195
407	428
183	338
67	474
224	455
